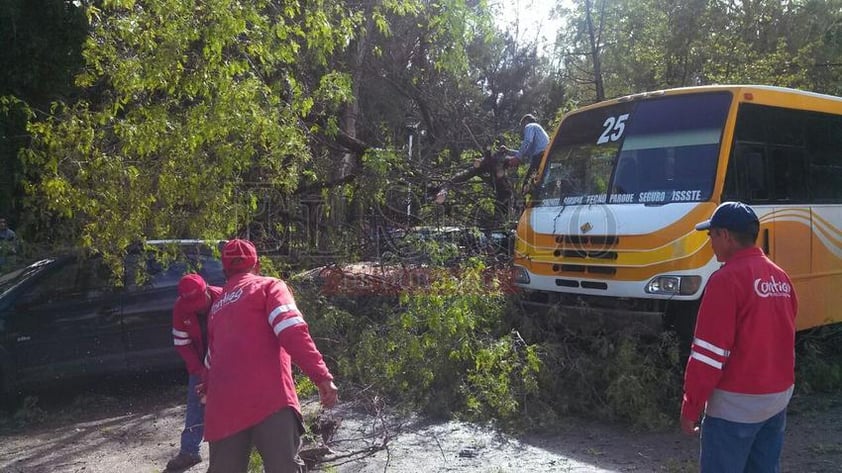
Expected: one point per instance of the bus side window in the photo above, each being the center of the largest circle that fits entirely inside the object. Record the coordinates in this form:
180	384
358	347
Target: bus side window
745	179
788	172
826	177
825	166
754	169
733	185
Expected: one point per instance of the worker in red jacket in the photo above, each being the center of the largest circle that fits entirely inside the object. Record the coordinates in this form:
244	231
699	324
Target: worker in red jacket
741	370
189	331
256	331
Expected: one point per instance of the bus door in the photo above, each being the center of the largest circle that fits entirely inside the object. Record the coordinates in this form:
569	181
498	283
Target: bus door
771	178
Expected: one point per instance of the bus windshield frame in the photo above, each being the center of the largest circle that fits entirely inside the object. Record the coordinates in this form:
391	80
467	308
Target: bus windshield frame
652	151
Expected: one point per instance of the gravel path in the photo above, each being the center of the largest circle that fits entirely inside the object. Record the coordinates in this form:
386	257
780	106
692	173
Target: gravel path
137	430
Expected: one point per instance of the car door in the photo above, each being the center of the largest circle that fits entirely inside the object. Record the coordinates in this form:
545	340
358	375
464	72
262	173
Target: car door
147	309
66	323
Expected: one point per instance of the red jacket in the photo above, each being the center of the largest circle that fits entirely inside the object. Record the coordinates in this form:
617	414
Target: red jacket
745	332
187	334
255	331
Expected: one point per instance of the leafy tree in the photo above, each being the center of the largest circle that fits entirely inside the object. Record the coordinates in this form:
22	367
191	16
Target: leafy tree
585	41
637	45
436	75
189	108
821	57
42	51
206	119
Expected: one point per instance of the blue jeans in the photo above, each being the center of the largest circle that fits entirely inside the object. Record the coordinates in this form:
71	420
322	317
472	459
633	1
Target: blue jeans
194	420
742	448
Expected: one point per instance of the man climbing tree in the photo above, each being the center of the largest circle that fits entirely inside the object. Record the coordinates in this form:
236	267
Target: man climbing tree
535	141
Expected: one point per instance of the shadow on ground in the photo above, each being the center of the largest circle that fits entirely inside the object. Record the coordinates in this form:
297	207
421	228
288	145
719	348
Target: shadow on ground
133	425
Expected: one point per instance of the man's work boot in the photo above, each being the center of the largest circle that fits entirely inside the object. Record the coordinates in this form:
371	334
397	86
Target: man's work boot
183	461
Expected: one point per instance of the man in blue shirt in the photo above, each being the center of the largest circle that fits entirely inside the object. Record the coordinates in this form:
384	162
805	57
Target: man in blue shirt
535	141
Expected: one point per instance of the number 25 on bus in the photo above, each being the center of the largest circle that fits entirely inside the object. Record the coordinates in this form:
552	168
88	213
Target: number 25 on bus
624	182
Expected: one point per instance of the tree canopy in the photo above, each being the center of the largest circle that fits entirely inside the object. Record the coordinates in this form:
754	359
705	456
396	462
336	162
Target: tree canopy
299	121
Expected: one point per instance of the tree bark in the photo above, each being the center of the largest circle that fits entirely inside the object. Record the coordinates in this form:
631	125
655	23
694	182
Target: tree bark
594	39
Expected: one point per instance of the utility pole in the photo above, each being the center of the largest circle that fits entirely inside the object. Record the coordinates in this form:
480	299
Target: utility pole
411	130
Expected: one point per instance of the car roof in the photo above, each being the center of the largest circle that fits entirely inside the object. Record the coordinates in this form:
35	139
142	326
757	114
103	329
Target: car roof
183	242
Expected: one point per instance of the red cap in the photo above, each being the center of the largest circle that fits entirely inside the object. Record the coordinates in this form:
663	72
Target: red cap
238	256
192	292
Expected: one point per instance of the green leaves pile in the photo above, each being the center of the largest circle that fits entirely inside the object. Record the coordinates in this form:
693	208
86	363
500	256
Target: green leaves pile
446	350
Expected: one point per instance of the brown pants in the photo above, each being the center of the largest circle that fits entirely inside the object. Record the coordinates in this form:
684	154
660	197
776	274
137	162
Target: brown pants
277	439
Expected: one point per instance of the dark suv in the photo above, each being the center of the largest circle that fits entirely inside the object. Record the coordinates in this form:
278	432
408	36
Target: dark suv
66	316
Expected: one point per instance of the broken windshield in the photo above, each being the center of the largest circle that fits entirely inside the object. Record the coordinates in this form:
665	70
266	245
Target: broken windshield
652	151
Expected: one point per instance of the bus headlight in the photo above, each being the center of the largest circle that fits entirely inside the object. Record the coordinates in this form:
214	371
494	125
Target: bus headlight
674	285
521	275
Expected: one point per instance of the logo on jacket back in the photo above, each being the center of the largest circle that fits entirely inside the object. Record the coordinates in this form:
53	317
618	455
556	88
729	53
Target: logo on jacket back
227	298
771	288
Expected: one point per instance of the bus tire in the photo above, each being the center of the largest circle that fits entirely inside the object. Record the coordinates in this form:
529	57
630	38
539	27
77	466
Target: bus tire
680	318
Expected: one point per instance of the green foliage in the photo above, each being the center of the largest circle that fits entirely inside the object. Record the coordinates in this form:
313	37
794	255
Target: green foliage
613	376
444	350
503	378
27	414
635	390
255	462
681	466
268	267
651	44
818	360
42	42
378	185
199	104
42	49
304	387
462	348
439	252
457	349
186	114
194	117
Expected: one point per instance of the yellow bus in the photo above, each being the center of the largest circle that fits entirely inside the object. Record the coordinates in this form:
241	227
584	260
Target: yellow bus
623	183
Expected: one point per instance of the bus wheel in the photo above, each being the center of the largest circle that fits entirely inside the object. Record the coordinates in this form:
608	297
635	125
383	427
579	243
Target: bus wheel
680	318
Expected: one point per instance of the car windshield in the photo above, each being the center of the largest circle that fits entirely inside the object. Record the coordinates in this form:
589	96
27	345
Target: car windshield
163	263
12	279
651	151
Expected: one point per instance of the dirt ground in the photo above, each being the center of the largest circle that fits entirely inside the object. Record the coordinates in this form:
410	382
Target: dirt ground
136	428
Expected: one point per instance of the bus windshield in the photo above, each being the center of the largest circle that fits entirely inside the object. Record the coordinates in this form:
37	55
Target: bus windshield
653	151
